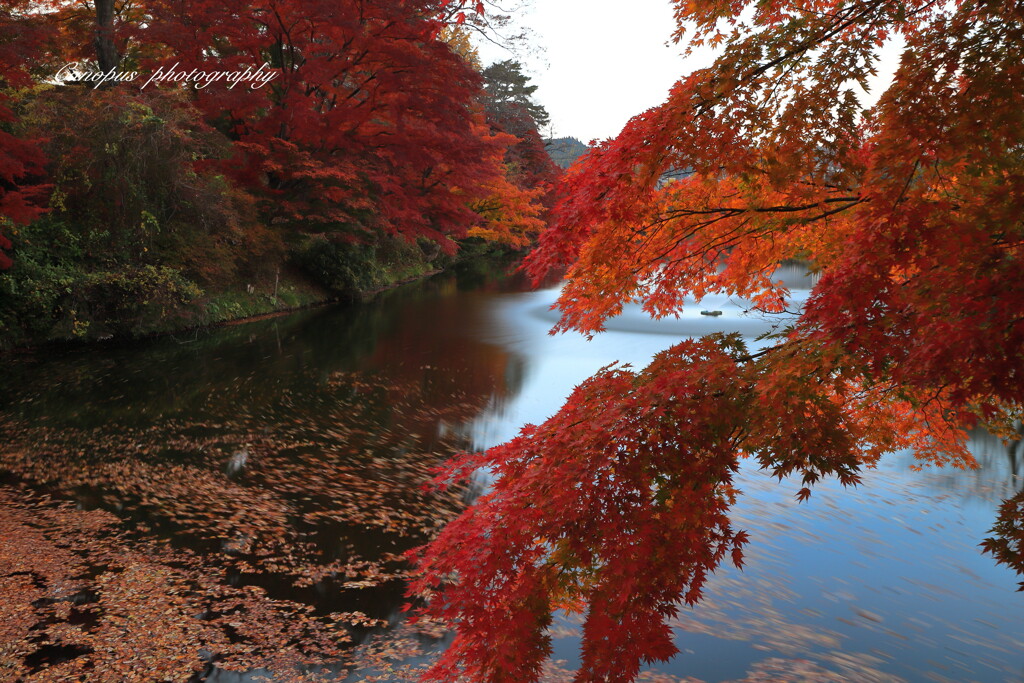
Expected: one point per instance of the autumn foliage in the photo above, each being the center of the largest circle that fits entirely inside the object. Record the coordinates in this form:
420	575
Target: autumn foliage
910	211
369	123
21	160
515	208
368	114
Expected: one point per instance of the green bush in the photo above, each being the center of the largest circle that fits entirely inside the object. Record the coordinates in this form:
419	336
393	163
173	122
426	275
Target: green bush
46	270
345	269
54	292
134	301
403	259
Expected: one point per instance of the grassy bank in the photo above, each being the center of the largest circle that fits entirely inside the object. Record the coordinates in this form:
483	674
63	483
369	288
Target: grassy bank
55	294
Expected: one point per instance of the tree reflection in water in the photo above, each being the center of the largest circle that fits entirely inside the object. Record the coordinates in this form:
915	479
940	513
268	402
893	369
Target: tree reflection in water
265	478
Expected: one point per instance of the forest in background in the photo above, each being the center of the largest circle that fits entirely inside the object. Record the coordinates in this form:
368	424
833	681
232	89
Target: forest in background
379	149
565	151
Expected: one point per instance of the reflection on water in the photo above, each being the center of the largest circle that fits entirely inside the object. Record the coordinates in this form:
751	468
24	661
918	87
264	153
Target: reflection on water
288	454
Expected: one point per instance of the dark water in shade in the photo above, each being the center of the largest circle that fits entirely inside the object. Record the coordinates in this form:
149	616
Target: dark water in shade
882	583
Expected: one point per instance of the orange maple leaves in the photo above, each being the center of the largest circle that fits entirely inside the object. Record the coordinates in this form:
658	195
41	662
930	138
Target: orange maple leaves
908	210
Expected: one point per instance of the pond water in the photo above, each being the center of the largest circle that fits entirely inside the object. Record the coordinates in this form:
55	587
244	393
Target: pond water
289	454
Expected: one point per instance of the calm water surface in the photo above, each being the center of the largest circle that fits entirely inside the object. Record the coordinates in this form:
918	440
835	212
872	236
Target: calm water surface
882	583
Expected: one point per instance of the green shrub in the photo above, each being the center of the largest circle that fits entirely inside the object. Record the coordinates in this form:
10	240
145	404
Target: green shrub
54	291
345	269
46	270
133	301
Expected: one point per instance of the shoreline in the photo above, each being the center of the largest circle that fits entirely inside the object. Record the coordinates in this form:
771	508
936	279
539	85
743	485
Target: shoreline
78	344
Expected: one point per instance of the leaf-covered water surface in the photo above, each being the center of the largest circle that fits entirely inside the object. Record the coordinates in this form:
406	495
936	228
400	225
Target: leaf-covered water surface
247	513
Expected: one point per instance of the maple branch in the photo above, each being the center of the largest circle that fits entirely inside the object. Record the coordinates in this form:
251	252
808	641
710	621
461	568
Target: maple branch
735	211
799	48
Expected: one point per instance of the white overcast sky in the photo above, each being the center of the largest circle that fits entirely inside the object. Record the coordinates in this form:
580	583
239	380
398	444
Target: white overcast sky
597	63
600	63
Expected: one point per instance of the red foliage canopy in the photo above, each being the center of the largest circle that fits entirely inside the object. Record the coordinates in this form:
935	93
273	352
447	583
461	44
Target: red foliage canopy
910	210
369	118
366	119
21	161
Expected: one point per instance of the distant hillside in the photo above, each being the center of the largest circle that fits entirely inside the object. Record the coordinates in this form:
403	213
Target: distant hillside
565	151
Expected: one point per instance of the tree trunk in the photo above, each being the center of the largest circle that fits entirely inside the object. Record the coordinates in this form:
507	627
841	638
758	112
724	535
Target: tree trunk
106	52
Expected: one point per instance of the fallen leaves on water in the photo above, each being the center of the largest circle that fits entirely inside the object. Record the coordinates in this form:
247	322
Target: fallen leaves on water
150	552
